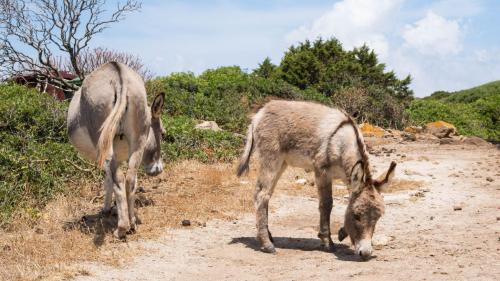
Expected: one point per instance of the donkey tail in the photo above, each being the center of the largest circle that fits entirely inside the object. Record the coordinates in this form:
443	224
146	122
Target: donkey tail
110	126
245	157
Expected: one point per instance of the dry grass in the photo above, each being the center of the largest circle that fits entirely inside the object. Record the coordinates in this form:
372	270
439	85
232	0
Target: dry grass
72	231
399	185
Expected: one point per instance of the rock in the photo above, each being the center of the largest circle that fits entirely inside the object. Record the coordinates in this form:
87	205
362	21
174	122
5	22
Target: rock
440	129
244	182
301	181
457	208
412	173
409	136
474	141
186	222
142	201
414	129
490	179
369	130
208	125
446	141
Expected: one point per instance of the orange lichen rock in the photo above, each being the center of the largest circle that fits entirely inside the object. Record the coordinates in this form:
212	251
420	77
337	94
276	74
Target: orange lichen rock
369	130
438	124
440	129
414	129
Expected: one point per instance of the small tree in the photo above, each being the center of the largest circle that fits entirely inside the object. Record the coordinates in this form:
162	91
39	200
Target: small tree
90	59
34	33
266	69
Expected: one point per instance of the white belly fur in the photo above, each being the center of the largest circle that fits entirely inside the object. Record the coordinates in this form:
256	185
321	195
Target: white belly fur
82	142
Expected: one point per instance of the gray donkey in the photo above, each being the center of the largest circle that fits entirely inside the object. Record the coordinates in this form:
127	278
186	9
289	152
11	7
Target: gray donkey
109	121
327	141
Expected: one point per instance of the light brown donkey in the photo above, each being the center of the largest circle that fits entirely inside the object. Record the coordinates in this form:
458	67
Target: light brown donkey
109	121
328	142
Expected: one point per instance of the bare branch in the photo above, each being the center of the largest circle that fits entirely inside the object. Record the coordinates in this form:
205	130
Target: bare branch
88	60
34	34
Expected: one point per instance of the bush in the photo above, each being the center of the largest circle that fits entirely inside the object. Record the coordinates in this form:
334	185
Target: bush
474	111
479	118
37	161
35	156
183	141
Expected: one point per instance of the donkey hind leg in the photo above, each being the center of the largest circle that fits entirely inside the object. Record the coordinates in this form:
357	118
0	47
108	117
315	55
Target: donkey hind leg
121	198
131	183
324	184
270	172
108	194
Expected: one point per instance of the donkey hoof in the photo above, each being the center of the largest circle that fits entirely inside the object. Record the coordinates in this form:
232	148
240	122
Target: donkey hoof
268	249
120	233
329	247
327	244
133	229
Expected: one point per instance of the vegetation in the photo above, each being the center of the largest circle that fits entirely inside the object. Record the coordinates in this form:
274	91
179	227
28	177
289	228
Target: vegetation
36	160
35	155
321	71
474	111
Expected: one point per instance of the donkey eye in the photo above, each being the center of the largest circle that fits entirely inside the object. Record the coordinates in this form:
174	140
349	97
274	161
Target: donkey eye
357	217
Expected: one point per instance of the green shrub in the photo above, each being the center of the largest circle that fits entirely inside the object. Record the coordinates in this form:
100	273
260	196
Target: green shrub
35	156
183	141
480	118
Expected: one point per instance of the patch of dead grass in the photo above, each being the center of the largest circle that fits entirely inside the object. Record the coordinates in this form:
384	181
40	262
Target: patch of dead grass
71	230
404	184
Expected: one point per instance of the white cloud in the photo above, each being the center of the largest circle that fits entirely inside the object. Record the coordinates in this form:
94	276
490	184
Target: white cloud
353	22
434	35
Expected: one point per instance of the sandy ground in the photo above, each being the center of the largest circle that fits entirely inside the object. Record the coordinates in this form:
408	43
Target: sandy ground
421	237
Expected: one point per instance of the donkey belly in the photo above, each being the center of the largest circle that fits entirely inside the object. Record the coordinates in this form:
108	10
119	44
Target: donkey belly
295	159
81	140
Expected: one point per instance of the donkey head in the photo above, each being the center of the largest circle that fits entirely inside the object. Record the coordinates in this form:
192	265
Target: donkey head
152	153
366	206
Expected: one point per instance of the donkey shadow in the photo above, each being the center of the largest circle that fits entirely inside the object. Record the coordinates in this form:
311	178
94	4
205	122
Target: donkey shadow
101	224
97	224
341	251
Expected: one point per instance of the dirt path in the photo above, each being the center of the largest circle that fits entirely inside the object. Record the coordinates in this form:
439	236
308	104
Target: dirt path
421	236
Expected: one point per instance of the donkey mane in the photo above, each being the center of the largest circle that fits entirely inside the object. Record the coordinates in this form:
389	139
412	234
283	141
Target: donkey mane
361	148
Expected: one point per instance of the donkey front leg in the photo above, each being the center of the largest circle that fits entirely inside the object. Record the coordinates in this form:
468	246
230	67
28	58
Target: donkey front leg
121	199
324	184
270	172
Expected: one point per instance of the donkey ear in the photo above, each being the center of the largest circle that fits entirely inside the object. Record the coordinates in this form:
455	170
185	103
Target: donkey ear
157	106
357	178
384	180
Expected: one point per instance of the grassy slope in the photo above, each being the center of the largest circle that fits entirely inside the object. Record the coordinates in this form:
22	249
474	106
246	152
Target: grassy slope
474	111
469	95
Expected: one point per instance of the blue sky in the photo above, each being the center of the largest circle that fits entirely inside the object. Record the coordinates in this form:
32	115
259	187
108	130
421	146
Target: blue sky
445	45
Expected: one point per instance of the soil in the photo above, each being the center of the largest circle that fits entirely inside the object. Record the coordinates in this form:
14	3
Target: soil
446	229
